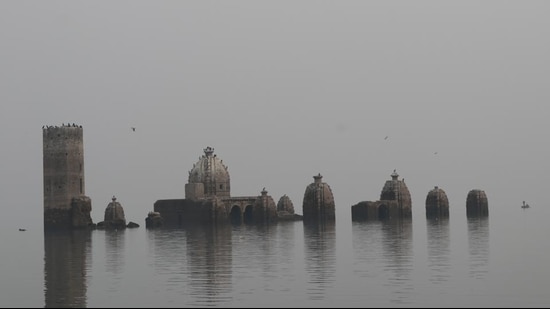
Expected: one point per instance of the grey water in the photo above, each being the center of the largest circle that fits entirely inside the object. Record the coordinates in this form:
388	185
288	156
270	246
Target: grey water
499	261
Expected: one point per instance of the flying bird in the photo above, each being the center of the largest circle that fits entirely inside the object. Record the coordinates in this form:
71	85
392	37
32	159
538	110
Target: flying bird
385	138
134	129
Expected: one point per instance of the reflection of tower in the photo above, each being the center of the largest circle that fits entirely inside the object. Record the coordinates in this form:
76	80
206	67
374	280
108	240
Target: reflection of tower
114	249
65	255
478	242
65	203
398	255
320	259
210	260
438	249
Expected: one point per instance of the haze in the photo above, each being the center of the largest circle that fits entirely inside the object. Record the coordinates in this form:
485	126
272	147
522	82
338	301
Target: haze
283	90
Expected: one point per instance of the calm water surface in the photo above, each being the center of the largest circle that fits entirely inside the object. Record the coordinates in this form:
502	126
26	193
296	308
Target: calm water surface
501	261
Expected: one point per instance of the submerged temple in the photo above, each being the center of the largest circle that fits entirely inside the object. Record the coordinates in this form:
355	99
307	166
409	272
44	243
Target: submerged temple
208	200
437	204
318	204
395	202
477	204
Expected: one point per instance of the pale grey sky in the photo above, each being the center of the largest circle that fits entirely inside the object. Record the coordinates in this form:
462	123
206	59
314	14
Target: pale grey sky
282	90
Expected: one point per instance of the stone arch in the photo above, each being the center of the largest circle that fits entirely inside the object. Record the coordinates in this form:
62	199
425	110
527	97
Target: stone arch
235	215
248	215
383	212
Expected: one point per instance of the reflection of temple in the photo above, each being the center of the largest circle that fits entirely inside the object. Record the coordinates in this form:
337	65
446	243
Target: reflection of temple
478	243
114	248
65	264
208	200
438	249
209	259
395	202
320	257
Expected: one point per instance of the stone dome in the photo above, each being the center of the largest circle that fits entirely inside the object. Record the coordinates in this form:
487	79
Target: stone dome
477	204
318	204
285	204
396	190
437	203
208	177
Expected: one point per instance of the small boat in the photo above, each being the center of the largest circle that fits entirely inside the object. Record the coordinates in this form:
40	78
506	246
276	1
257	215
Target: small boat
525	205
22	230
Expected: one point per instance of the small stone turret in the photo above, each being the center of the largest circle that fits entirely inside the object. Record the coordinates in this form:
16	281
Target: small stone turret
318	204
114	216
437	204
477	204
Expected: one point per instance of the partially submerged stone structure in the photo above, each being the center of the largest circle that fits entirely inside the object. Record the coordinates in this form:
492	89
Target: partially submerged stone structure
437	204
477	204
318	204
208	200
285	209
114	217
395	202
65	204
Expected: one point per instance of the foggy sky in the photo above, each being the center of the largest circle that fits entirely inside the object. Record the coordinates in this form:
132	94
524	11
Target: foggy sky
283	90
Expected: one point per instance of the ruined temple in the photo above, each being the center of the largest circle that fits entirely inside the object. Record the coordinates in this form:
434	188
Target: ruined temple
318	204
65	204
477	204
395	202
208	200
437	204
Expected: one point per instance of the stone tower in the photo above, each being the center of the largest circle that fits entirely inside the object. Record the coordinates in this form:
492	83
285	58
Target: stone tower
65	202
209	177
437	204
477	204
396	190
318	205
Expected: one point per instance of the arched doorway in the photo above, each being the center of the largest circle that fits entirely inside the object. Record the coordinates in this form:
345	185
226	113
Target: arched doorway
235	215
248	216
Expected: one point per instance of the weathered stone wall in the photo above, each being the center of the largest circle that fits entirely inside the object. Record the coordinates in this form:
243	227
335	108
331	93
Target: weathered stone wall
375	210
63	165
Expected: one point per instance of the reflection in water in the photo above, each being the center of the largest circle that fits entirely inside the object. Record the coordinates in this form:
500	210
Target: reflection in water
320	255
438	249
384	256
114	244
65	265
194	262
478	242
397	248
209	259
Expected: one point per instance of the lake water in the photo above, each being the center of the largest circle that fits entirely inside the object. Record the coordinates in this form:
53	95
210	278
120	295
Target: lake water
500	261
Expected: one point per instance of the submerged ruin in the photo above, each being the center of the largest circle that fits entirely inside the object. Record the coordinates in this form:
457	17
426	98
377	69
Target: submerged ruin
395	202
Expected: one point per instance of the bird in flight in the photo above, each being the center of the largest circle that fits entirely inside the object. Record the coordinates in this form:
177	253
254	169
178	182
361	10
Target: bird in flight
134	129
385	138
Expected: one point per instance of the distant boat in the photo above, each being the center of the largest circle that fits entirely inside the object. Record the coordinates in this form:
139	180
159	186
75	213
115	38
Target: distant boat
525	205
22	230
